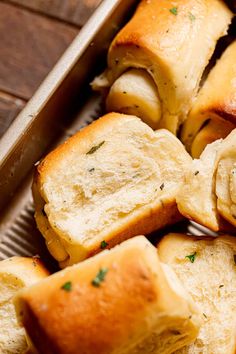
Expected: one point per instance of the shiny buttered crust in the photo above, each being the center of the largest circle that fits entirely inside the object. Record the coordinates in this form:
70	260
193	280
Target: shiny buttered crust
206	267
15	273
114	179
120	301
213	115
173	41
207	195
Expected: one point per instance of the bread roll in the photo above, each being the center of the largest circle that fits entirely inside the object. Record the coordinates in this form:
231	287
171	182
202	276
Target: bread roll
134	92
172	42
115	179
15	273
208	192
225	188
213	115
120	301
206	268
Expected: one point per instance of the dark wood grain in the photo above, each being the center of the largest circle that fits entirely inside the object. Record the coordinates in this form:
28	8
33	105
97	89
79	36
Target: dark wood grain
9	108
73	11
30	46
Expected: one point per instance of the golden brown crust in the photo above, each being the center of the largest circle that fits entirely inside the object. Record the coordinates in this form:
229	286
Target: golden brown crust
154	219
214	128
26	268
178	239
84	136
133	299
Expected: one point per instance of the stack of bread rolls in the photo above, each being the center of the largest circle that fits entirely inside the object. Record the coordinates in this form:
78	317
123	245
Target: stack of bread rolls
157	60
120	178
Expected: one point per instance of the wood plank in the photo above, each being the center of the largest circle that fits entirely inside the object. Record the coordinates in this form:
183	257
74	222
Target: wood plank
30	46
73	11
9	108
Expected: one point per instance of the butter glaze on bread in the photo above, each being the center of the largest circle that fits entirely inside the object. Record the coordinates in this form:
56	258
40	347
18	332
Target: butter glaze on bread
15	274
173	42
114	179
213	115
211	280
207	195
139	307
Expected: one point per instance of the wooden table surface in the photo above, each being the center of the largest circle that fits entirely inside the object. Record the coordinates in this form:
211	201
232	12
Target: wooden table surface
34	34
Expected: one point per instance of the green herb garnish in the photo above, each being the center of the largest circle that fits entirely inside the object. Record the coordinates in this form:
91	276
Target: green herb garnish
94	148
100	277
174	11
191	257
104	244
204	315
221	286
67	286
192	17
162	186
196	173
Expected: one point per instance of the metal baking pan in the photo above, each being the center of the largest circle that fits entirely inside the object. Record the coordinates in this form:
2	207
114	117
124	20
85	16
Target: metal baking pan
62	105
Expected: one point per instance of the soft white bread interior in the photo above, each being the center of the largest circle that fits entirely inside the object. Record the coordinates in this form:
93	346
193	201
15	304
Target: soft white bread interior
208	192
225	188
120	301
114	179
213	115
15	274
196	199
207	269
172	41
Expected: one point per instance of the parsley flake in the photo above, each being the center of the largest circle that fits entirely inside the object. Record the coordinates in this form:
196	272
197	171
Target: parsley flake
162	186
221	286
67	286
191	257
196	173
204	315
192	17
100	277
94	148
104	244
174	11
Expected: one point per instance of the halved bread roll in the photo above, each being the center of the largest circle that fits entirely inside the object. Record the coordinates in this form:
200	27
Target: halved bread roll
172	43
120	301
206	267
207	195
15	274
213	115
115	179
